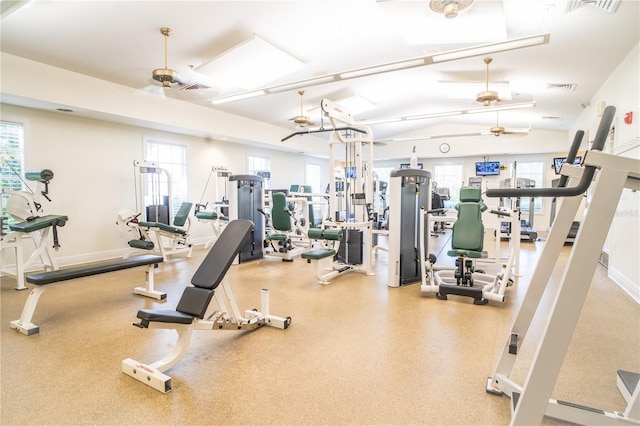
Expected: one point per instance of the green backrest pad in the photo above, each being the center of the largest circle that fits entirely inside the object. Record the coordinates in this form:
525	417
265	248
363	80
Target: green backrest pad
470	194
182	215
311	218
325	234
280	220
468	230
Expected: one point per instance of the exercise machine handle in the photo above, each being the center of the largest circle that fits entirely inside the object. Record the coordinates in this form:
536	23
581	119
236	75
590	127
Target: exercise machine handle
587	175
500	213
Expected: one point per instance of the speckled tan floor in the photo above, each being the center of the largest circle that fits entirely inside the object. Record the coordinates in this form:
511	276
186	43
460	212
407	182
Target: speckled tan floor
357	352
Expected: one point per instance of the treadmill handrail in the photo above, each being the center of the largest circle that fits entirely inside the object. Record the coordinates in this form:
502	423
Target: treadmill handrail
587	175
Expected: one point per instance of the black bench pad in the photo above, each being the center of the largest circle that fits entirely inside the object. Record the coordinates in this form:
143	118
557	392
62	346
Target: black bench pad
92	269
164	227
164	315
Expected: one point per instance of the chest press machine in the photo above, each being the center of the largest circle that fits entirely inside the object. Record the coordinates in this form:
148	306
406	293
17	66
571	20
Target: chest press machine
189	315
531	402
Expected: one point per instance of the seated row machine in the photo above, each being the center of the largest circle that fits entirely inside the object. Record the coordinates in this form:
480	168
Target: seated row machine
190	312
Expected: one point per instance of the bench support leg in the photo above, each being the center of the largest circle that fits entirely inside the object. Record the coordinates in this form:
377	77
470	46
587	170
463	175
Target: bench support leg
13	241
152	374
24	324
149	290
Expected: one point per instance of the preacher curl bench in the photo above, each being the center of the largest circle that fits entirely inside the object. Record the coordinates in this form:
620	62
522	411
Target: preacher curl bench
190	312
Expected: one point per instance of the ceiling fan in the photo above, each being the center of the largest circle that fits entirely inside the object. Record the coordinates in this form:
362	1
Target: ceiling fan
498	130
487	96
166	76
301	120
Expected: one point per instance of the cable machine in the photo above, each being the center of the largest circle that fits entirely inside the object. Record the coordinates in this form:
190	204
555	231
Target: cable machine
153	191
350	191
355	143
410	192
246	199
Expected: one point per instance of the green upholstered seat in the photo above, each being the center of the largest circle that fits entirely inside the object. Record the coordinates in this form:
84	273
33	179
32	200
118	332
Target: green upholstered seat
319	253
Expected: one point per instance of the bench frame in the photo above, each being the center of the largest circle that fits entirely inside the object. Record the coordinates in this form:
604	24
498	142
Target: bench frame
190	314
25	325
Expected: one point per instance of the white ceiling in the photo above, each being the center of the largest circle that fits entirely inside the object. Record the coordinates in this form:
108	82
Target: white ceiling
120	41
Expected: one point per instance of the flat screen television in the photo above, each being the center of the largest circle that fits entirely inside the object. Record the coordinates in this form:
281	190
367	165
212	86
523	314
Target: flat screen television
488	168
350	172
559	161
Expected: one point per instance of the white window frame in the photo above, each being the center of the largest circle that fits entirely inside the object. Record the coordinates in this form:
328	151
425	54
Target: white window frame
12	165
531	170
258	163
163	153
446	176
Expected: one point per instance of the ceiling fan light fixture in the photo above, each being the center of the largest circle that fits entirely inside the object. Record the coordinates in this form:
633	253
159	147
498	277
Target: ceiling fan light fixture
487	96
165	75
449	8
497	131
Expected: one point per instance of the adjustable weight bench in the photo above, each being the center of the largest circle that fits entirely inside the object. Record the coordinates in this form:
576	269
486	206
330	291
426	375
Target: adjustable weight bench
190	312
40	280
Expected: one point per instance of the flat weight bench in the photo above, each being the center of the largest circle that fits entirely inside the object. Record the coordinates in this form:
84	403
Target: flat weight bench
323	256
190	312
41	281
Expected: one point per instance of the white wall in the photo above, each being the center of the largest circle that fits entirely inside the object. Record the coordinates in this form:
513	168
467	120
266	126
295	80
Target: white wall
622	90
94	177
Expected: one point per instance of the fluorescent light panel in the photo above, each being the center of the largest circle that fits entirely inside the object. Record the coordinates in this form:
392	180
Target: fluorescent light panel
451	113
378	69
486	49
239	96
409	63
250	64
354	104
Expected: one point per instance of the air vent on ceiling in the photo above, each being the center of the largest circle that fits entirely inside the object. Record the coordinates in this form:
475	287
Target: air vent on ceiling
606	5
197	86
551	118
569	87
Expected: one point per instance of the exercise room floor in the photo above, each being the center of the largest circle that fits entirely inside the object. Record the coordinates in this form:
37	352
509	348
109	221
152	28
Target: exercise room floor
357	352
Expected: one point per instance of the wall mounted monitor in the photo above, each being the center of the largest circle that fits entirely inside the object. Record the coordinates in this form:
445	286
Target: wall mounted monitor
488	168
559	161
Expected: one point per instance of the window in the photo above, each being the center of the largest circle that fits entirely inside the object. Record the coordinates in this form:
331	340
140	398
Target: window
380	202
533	171
449	176
257	164
12	163
172	158
313	178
